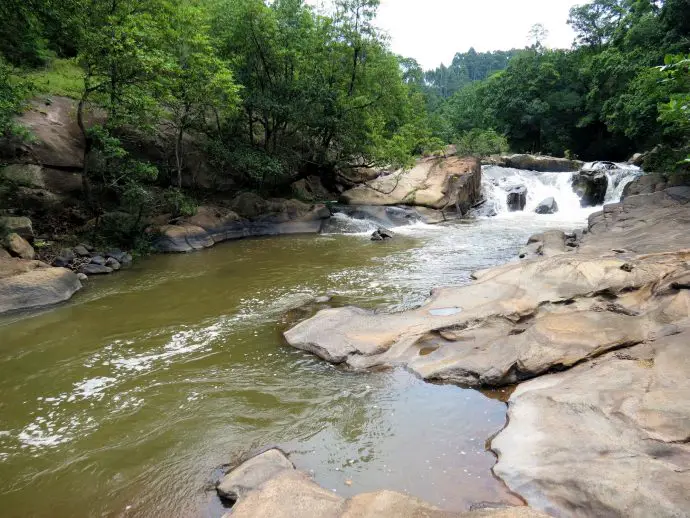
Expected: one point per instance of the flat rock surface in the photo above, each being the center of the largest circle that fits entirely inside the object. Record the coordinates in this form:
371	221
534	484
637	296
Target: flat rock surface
269	486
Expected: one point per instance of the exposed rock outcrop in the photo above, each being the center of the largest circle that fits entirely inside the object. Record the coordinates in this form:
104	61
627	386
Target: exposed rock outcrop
268	485
18	246
19	225
655	182
213	225
537	163
436	183
601	331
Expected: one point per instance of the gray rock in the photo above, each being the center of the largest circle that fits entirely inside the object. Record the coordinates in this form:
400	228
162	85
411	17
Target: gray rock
126	260
517	198
64	258
81	251
252	474
116	254
381	234
19	225
113	263
36	288
18	246
590	186
95	269
98	259
82	276
539	163
547	206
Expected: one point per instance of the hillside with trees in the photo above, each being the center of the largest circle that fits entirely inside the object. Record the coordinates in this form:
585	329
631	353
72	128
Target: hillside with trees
271	92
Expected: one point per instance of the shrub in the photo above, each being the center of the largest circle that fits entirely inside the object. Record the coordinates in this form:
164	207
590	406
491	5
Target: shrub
481	143
178	203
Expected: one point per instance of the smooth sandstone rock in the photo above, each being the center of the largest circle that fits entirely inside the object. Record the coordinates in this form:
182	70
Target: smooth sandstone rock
19	247
36	288
435	183
269	486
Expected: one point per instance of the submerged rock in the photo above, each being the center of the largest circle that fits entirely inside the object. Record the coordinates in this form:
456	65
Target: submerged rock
547	206
269	485
517	198
381	234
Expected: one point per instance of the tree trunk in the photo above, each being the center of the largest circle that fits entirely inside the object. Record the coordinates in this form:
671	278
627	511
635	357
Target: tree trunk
85	184
178	155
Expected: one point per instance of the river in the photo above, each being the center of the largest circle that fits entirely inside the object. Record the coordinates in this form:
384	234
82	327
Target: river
127	400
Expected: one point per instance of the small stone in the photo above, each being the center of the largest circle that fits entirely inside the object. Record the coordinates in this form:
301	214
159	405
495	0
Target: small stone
99	260
112	263
82	276
322	299
116	254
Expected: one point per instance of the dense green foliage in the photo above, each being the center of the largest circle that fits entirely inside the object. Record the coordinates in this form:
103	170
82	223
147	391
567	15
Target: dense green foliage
608	97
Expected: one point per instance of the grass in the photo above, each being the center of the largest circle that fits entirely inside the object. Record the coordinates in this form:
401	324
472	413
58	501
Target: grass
59	77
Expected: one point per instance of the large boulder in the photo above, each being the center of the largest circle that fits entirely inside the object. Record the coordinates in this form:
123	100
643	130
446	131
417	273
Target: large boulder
19	247
36	287
591	186
268	485
182	238
311	189
538	163
655	182
23	175
436	183
547	206
18	224
517	198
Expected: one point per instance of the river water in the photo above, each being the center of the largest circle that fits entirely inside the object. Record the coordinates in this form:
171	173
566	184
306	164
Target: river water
126	400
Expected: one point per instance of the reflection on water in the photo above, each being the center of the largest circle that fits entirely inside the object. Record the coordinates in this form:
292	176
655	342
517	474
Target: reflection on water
124	401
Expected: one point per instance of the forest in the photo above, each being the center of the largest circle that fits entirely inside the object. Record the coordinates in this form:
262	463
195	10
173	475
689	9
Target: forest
275	91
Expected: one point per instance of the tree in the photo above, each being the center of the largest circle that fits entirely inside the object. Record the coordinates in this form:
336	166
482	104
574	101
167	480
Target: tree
538	34
195	81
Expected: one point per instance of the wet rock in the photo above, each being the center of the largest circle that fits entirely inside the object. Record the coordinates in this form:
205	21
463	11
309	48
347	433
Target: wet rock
82	276
436	183
590	186
381	234
98	259
269	485
538	163
517	198
36	288
81	251
547	206
19	247
113	263
64	258
116	254
182	238
95	269
19	225
580	439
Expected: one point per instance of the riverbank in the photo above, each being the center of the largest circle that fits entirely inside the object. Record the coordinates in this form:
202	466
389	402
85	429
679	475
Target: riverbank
601	328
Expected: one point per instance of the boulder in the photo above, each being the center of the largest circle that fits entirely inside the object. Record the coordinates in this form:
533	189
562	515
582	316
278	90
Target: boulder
545	244
249	205
37	287
542	164
23	175
381	234
18	246
590	186
98	259
655	182
547	206
126	260
637	159
81	251
113	263
95	269
64	258
269	486
517	198
182	238
436	183
19	225
311	189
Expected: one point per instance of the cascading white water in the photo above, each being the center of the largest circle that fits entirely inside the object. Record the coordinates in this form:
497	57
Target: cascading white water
497	181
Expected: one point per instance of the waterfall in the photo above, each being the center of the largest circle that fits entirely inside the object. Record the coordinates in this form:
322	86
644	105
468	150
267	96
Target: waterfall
497	181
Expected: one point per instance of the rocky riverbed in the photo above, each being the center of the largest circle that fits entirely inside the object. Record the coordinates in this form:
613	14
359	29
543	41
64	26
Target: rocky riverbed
602	329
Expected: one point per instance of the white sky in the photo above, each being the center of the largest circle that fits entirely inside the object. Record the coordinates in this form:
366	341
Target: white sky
432	31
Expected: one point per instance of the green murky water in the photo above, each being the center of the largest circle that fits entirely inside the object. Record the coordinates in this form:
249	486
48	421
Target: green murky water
126	400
